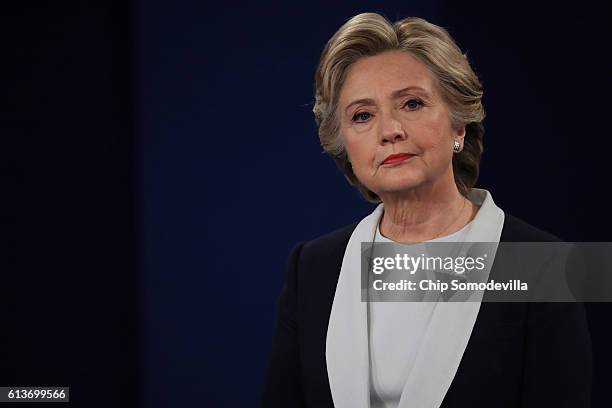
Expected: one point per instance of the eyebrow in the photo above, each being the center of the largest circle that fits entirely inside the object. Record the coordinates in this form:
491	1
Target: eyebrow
394	94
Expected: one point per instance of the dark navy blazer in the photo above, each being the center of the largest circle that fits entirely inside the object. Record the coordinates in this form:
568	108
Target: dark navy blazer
519	354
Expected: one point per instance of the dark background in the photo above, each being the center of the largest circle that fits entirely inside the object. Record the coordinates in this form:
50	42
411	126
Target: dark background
167	160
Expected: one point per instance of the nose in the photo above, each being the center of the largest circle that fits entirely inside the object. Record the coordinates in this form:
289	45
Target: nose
391	130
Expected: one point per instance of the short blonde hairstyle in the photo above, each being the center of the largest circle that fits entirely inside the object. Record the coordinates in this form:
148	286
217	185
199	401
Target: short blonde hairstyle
369	34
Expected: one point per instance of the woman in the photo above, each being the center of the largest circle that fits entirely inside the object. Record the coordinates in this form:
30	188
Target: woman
400	110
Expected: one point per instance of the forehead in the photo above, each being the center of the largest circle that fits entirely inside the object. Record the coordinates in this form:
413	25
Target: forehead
384	73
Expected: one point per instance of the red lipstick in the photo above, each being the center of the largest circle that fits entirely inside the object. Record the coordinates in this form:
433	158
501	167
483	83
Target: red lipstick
397	158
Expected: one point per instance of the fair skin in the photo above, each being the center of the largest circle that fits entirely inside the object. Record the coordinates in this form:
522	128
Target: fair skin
391	104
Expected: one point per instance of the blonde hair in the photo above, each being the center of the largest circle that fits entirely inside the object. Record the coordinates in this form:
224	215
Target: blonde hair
369	34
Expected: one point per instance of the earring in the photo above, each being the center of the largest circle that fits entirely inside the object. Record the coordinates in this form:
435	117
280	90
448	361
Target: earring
456	146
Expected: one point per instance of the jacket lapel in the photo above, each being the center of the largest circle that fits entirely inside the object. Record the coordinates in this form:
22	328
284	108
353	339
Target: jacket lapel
347	333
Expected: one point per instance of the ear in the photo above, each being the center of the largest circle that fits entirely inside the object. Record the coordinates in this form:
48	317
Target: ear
460	135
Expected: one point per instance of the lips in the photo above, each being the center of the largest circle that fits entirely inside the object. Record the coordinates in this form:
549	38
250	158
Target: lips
396	158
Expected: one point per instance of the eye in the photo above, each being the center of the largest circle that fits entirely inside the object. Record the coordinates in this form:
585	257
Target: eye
413	104
361	117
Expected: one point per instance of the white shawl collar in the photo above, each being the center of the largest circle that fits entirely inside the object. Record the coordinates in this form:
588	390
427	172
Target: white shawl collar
444	341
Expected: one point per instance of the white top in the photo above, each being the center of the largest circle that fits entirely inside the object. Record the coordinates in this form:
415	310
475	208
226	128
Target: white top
396	331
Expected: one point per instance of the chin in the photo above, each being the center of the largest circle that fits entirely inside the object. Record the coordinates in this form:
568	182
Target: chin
398	186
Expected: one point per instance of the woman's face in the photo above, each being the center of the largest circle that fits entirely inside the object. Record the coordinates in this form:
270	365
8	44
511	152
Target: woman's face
395	125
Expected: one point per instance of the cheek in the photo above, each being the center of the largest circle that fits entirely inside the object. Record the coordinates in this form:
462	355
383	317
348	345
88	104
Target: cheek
362	157
437	146
360	149
438	156
437	141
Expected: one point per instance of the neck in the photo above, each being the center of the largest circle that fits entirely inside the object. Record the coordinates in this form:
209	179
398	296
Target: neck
425	213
